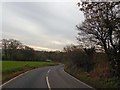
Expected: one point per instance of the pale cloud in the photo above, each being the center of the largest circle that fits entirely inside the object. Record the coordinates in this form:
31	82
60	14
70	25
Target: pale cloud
42	25
57	42
42	48
40	1
1	20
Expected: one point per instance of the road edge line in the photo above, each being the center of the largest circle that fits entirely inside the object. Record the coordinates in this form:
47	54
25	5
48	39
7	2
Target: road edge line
79	80
15	77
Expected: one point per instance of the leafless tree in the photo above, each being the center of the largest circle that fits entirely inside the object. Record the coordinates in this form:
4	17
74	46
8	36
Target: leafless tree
102	25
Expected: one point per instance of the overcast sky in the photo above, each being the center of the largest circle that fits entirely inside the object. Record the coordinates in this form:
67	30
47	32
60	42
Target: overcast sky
41	25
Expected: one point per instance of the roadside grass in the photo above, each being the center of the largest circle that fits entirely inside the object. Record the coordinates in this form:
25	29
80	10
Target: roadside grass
95	83
11	69
99	77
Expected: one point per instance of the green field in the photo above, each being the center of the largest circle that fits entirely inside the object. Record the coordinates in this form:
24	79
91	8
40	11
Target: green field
11	69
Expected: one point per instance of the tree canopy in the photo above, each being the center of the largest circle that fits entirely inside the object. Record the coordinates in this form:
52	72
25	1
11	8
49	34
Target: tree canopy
102	27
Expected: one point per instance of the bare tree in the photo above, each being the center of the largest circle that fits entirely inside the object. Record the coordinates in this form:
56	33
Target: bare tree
102	24
79	57
5	44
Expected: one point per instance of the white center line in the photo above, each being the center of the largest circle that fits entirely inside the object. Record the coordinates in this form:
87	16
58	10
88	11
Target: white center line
48	84
48	71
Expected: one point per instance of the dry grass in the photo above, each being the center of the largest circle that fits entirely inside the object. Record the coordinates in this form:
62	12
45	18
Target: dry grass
102	66
99	76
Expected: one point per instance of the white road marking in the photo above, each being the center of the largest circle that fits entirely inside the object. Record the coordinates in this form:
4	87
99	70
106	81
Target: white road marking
48	71
79	80
48	84
15	78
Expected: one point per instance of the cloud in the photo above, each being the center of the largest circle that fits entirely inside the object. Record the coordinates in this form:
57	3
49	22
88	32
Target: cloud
42	48
50	25
40	1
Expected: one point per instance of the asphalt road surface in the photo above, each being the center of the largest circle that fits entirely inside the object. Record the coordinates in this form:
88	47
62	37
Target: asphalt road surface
47	77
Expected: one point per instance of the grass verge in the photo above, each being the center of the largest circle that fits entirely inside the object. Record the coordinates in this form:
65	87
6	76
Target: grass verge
96	83
11	69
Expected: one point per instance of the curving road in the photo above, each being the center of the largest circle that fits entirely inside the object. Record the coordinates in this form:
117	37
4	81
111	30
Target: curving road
47	77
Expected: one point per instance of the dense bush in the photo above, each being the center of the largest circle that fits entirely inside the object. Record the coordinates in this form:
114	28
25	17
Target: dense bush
79	57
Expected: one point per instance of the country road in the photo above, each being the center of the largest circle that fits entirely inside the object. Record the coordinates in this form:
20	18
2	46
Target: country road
47	77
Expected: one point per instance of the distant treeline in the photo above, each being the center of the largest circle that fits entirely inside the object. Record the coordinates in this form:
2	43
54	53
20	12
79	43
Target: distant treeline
15	50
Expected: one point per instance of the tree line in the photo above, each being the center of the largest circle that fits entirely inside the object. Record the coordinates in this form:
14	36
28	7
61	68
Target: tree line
100	30
14	50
